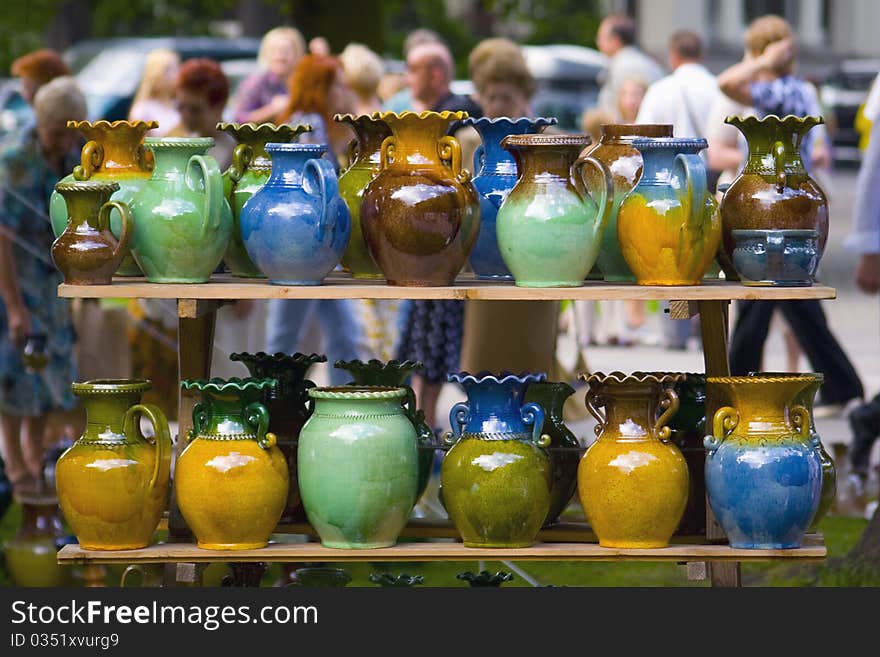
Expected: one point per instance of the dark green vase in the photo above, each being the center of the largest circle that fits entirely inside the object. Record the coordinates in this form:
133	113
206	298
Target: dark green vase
485	578
688	428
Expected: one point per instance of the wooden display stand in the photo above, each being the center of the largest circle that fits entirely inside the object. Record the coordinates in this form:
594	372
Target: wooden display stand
197	306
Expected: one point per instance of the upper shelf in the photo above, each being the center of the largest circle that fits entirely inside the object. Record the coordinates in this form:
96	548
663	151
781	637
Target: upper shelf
342	286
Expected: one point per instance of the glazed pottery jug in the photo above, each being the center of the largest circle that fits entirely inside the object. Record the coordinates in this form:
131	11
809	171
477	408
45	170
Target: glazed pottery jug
364	160
496	176
248	172
394	374
87	252
564	449
296	227
231	480
320	577
182	222
113	483
31	553
550	226
358	466
485	578
420	215
616	151
763	472
776	257
774	190
114	152
668	226
496	476
633	480
288	406
688	428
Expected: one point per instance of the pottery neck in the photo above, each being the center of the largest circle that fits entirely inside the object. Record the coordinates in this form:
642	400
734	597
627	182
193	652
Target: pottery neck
630	409
622	134
497	161
545	163
369	135
84	201
289	161
40	517
417	142
257	136
774	145
377	373
289	372
357	404
658	168
495	407
227	413
105	405
551	396
173	155
764	403
122	146
692	399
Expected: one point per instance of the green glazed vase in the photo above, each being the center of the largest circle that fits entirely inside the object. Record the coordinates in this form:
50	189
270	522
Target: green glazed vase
320	577
365	158
401	581
358	466
688	428
31	553
248	172
485	578
182	222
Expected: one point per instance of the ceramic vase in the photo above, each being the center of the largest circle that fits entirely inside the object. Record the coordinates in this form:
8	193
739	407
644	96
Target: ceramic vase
763	472
633	480
496	176
774	190
289	408
87	252
113	483
365	157
496	477
231	480
394	373
296	227
358	466
248	172
668	226
31	554
624	161
779	258
182	222
420	215
550	225
114	152
687	430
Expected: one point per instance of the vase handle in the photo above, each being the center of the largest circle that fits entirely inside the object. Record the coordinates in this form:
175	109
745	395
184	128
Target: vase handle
459	416
450	150
351	152
479	158
258	417
211	184
724	422
697	188
91	159
669	406
242	156
308	401
602	194
800	418
328	188
162	440
778	150
533	414
594	402
127	225
386	152
199	418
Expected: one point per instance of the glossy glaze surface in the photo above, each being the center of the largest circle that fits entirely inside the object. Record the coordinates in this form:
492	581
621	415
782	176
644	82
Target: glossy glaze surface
776	257
688	429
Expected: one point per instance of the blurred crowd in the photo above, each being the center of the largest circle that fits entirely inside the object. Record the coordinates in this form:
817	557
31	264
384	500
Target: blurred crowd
304	82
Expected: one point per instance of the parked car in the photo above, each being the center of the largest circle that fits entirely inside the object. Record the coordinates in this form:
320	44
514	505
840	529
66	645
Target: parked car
841	94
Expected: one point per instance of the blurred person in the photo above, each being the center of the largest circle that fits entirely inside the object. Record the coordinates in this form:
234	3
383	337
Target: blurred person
30	166
616	39
154	99
363	71
319	46
429	73
36	69
401	100
263	95
630	95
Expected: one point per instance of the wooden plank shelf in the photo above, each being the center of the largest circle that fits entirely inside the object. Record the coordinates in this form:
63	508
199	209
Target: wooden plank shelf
813	549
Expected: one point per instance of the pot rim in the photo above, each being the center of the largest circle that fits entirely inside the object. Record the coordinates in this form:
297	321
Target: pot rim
177	142
762	378
87	186
617	376
543	139
262	357
217	384
537	122
280	147
358	392
110	386
505	376
785	232
104	123
676	143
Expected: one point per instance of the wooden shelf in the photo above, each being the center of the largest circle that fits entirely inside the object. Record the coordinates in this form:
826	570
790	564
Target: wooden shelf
466	288
813	549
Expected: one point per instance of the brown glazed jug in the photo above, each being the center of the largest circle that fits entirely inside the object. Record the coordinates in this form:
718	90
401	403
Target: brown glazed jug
774	190
420	215
87	252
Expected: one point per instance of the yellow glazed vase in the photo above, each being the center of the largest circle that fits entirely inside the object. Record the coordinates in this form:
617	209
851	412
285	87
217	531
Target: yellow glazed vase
112	483
231	480
633	480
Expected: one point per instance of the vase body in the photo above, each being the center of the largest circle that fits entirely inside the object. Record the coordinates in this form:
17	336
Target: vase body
549	227
31	553
633	480
564	449
358	466
496	175
688	429
624	161
289	408
113	483
774	190
496	477
668	226
420	215
763	472
87	252
182	222
365	160
231	480
296	227
776	257
394	374
114	152
248	172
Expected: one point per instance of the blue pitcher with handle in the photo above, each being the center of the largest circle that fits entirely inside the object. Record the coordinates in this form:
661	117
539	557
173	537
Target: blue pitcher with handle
296	227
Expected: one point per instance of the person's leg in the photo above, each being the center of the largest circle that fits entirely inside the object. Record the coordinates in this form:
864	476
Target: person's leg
749	334
343	335
864	422
285	321
32	434
16	467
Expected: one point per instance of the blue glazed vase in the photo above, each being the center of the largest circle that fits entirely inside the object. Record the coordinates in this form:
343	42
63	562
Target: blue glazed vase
763	471
496	176
776	257
296	227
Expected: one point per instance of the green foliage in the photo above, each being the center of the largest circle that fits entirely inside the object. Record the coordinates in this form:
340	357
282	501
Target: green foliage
155	17
554	21
21	29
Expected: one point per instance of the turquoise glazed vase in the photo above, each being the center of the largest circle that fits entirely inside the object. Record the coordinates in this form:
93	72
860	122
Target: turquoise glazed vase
296	227
549	227
248	172
358	466
496	477
496	176
182	222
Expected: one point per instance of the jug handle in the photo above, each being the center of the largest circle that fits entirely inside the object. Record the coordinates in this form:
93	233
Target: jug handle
724	422
90	160
670	407
459	416
800	418
308	402
779	163
604	196
133	568
212	182
145	157
258	417
594	403
351	152
533	414
450	150
200	419
328	188
695	178
162	440
479	158
242	157
125	233
386	152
